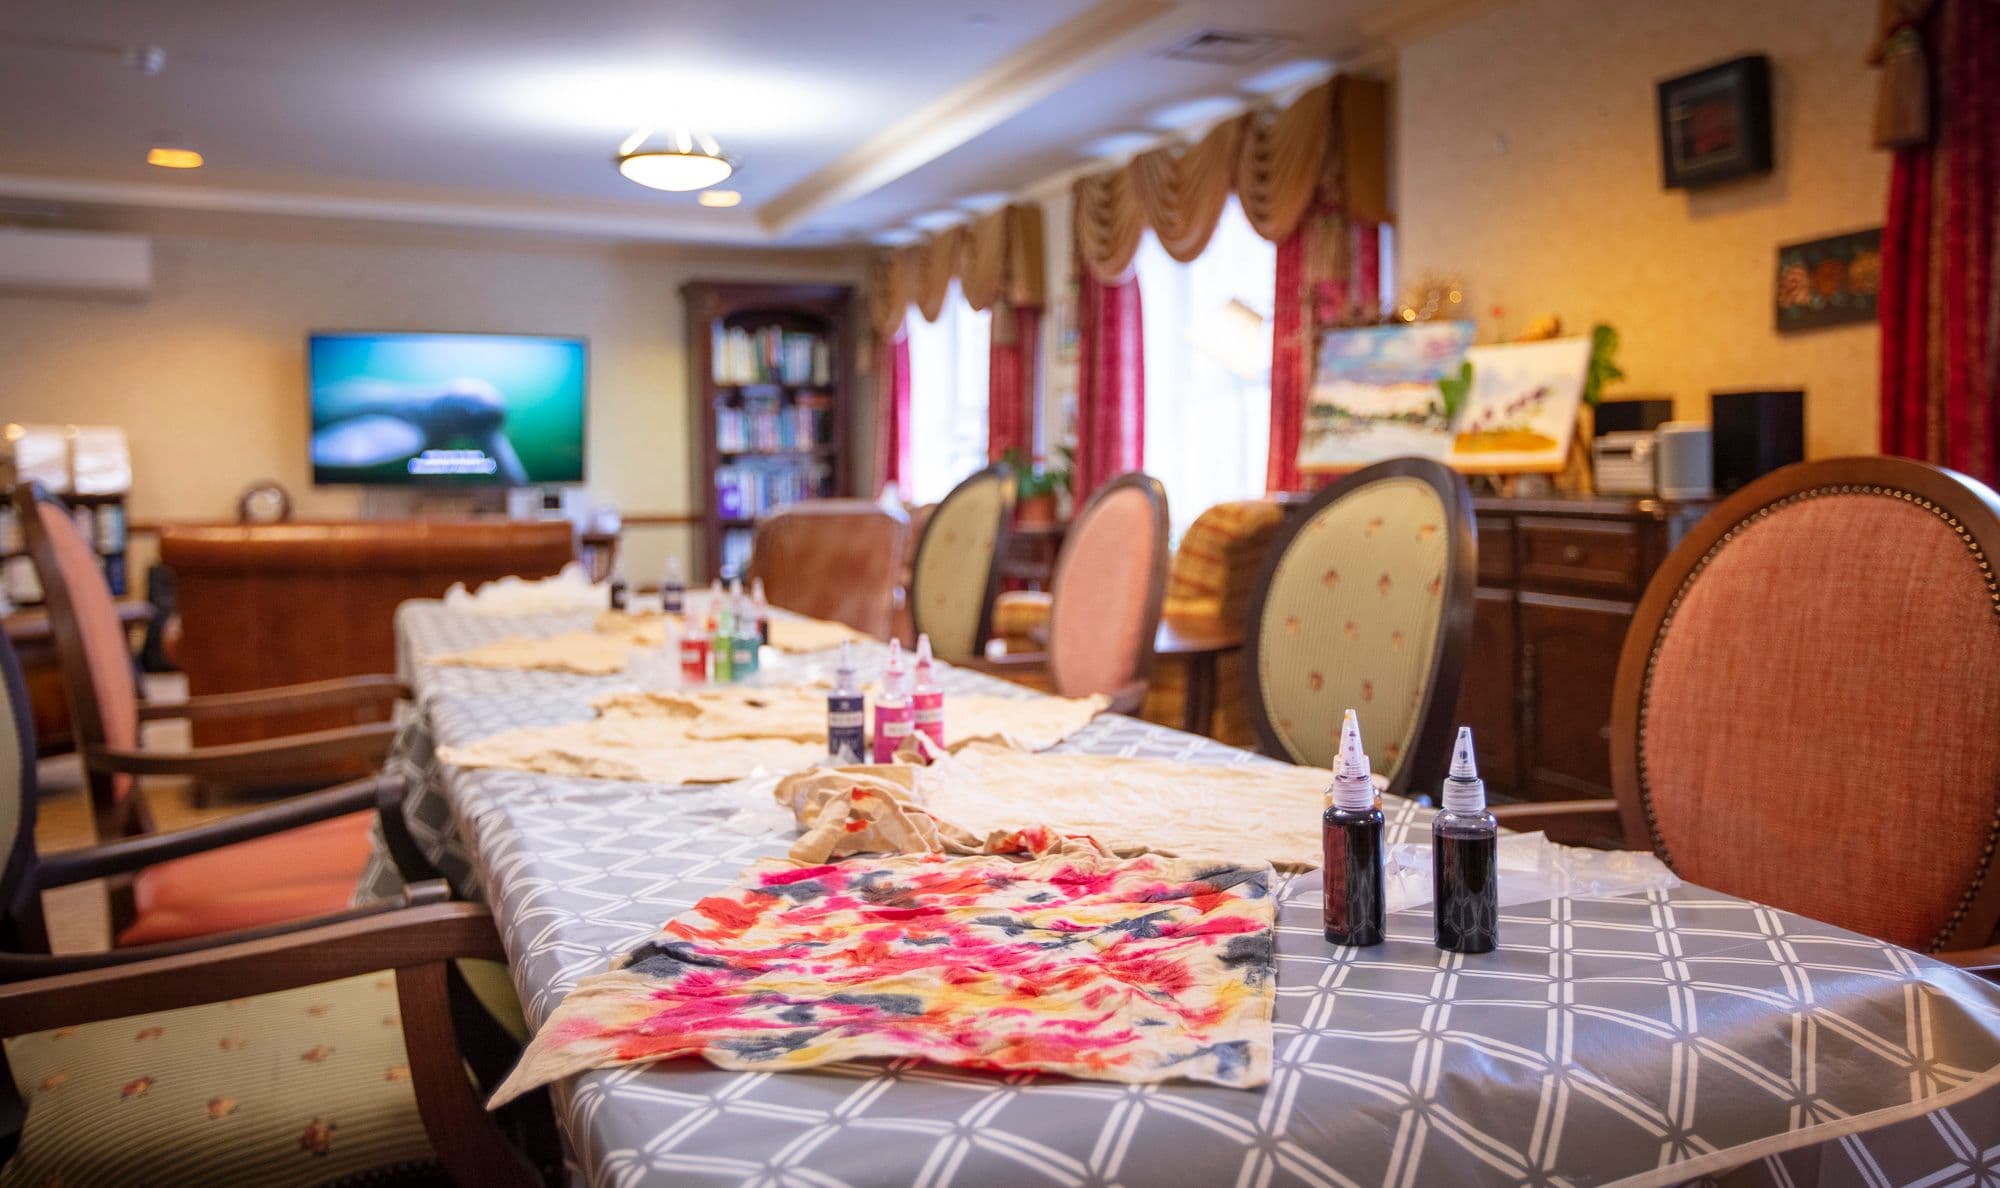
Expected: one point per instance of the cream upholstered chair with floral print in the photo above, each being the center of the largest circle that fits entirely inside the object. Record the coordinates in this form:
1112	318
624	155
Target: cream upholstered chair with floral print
957	568
313	1052
1365	602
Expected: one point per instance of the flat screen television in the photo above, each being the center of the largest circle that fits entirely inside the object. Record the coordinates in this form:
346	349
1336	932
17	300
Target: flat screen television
447	409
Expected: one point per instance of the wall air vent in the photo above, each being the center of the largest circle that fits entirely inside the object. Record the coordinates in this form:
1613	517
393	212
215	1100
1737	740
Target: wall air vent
1227	47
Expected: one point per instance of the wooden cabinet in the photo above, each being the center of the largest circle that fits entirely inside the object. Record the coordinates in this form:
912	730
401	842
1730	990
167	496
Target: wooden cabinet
1558	582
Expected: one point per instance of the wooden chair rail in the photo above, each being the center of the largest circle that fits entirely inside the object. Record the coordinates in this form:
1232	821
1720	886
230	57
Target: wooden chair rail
358	690
269	761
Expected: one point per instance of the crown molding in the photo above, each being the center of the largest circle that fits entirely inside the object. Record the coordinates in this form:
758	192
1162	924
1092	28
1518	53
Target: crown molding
1103	32
705	226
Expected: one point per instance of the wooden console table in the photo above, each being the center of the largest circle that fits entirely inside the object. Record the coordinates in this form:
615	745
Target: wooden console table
1559	579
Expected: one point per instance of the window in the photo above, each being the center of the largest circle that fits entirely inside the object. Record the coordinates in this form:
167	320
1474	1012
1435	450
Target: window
948	375
1208	366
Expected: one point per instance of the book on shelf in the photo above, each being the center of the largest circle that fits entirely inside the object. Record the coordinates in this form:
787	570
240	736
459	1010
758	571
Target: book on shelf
769	427
744	492
769	355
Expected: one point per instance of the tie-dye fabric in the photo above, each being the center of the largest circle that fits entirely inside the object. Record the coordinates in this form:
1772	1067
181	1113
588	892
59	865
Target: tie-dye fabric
1138	970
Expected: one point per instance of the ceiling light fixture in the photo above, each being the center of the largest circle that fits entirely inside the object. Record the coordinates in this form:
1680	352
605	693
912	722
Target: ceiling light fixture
685	161
167	157
720	198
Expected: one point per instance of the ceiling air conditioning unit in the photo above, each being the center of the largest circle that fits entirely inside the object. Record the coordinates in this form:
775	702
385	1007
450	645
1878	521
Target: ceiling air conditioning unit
75	263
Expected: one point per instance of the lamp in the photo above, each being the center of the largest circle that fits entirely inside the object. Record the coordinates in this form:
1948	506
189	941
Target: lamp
681	163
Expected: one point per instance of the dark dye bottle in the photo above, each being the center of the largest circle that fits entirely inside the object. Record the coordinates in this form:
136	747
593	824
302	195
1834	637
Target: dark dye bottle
846	713
618	585
1465	875
1351	833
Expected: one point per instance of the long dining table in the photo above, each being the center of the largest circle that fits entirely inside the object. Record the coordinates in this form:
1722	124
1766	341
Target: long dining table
1656	1038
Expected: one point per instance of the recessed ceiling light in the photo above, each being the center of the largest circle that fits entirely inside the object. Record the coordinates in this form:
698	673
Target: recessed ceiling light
720	198
173	158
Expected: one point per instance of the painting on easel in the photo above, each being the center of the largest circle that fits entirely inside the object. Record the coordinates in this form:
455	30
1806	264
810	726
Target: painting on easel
1424	390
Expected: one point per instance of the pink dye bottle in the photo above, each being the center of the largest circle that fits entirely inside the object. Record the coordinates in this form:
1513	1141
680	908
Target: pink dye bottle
893	716
926	698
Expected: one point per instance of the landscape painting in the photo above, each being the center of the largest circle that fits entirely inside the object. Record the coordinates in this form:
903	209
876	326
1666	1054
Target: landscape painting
1375	395
1423	390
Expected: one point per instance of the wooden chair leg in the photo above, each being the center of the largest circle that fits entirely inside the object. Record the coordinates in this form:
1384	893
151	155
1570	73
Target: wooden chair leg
466	1138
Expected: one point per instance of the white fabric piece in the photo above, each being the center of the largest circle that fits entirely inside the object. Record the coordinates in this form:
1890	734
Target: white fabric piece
569	590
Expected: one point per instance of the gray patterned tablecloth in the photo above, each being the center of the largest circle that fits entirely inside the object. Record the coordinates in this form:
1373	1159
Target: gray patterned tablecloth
1653	1039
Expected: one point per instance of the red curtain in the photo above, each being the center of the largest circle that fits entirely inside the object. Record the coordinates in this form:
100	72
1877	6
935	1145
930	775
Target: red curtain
892	421
1111	385
1938	307
1329	272
1010	394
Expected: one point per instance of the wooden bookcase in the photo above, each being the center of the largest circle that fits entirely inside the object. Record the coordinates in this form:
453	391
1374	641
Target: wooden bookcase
101	519
771	377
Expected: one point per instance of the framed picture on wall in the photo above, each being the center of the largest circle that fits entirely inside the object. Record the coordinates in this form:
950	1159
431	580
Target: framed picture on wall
1829	282
1715	124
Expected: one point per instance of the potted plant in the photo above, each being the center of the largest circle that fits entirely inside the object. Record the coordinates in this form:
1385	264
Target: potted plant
1039	486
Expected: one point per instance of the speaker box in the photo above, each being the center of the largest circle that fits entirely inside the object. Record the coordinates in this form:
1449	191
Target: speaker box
1755	434
1633	415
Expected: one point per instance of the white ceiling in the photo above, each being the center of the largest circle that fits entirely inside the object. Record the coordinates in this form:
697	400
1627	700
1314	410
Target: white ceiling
847	118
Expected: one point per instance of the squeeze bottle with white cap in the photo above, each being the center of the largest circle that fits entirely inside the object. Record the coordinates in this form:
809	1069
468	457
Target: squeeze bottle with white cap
926	698
1465	840
1351	833
893	717
846	715
673	587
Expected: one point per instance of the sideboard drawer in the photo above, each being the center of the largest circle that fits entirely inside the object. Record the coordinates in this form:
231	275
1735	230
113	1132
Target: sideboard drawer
1585	556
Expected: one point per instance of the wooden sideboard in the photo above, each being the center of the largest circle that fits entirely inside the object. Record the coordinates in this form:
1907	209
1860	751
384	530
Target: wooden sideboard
1558	581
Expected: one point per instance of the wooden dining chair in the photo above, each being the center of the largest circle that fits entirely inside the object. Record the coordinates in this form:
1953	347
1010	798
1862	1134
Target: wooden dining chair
297	857
956	573
1109	583
1365	602
836	559
1807	710
311	1052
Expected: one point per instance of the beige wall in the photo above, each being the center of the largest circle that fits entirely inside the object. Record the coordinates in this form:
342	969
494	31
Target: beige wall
1528	166
207	374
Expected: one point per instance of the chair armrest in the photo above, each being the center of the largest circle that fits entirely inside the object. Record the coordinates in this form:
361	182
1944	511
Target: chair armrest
274	760
1985	962
390	938
1130	699
1012	662
67	867
1564	818
360	690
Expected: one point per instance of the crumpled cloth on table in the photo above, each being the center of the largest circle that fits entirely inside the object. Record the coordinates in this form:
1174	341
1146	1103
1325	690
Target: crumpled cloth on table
799	712
1071	961
569	590
1262	812
586	653
715	735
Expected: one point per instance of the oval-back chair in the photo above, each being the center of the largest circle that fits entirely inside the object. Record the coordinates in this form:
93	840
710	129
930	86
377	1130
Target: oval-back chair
1365	602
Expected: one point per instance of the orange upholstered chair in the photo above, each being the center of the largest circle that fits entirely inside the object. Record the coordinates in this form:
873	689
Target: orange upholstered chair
300	857
1105	597
1807	710
838	559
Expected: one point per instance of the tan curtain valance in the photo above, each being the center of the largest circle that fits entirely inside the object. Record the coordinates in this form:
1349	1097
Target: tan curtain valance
1274	162
996	258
